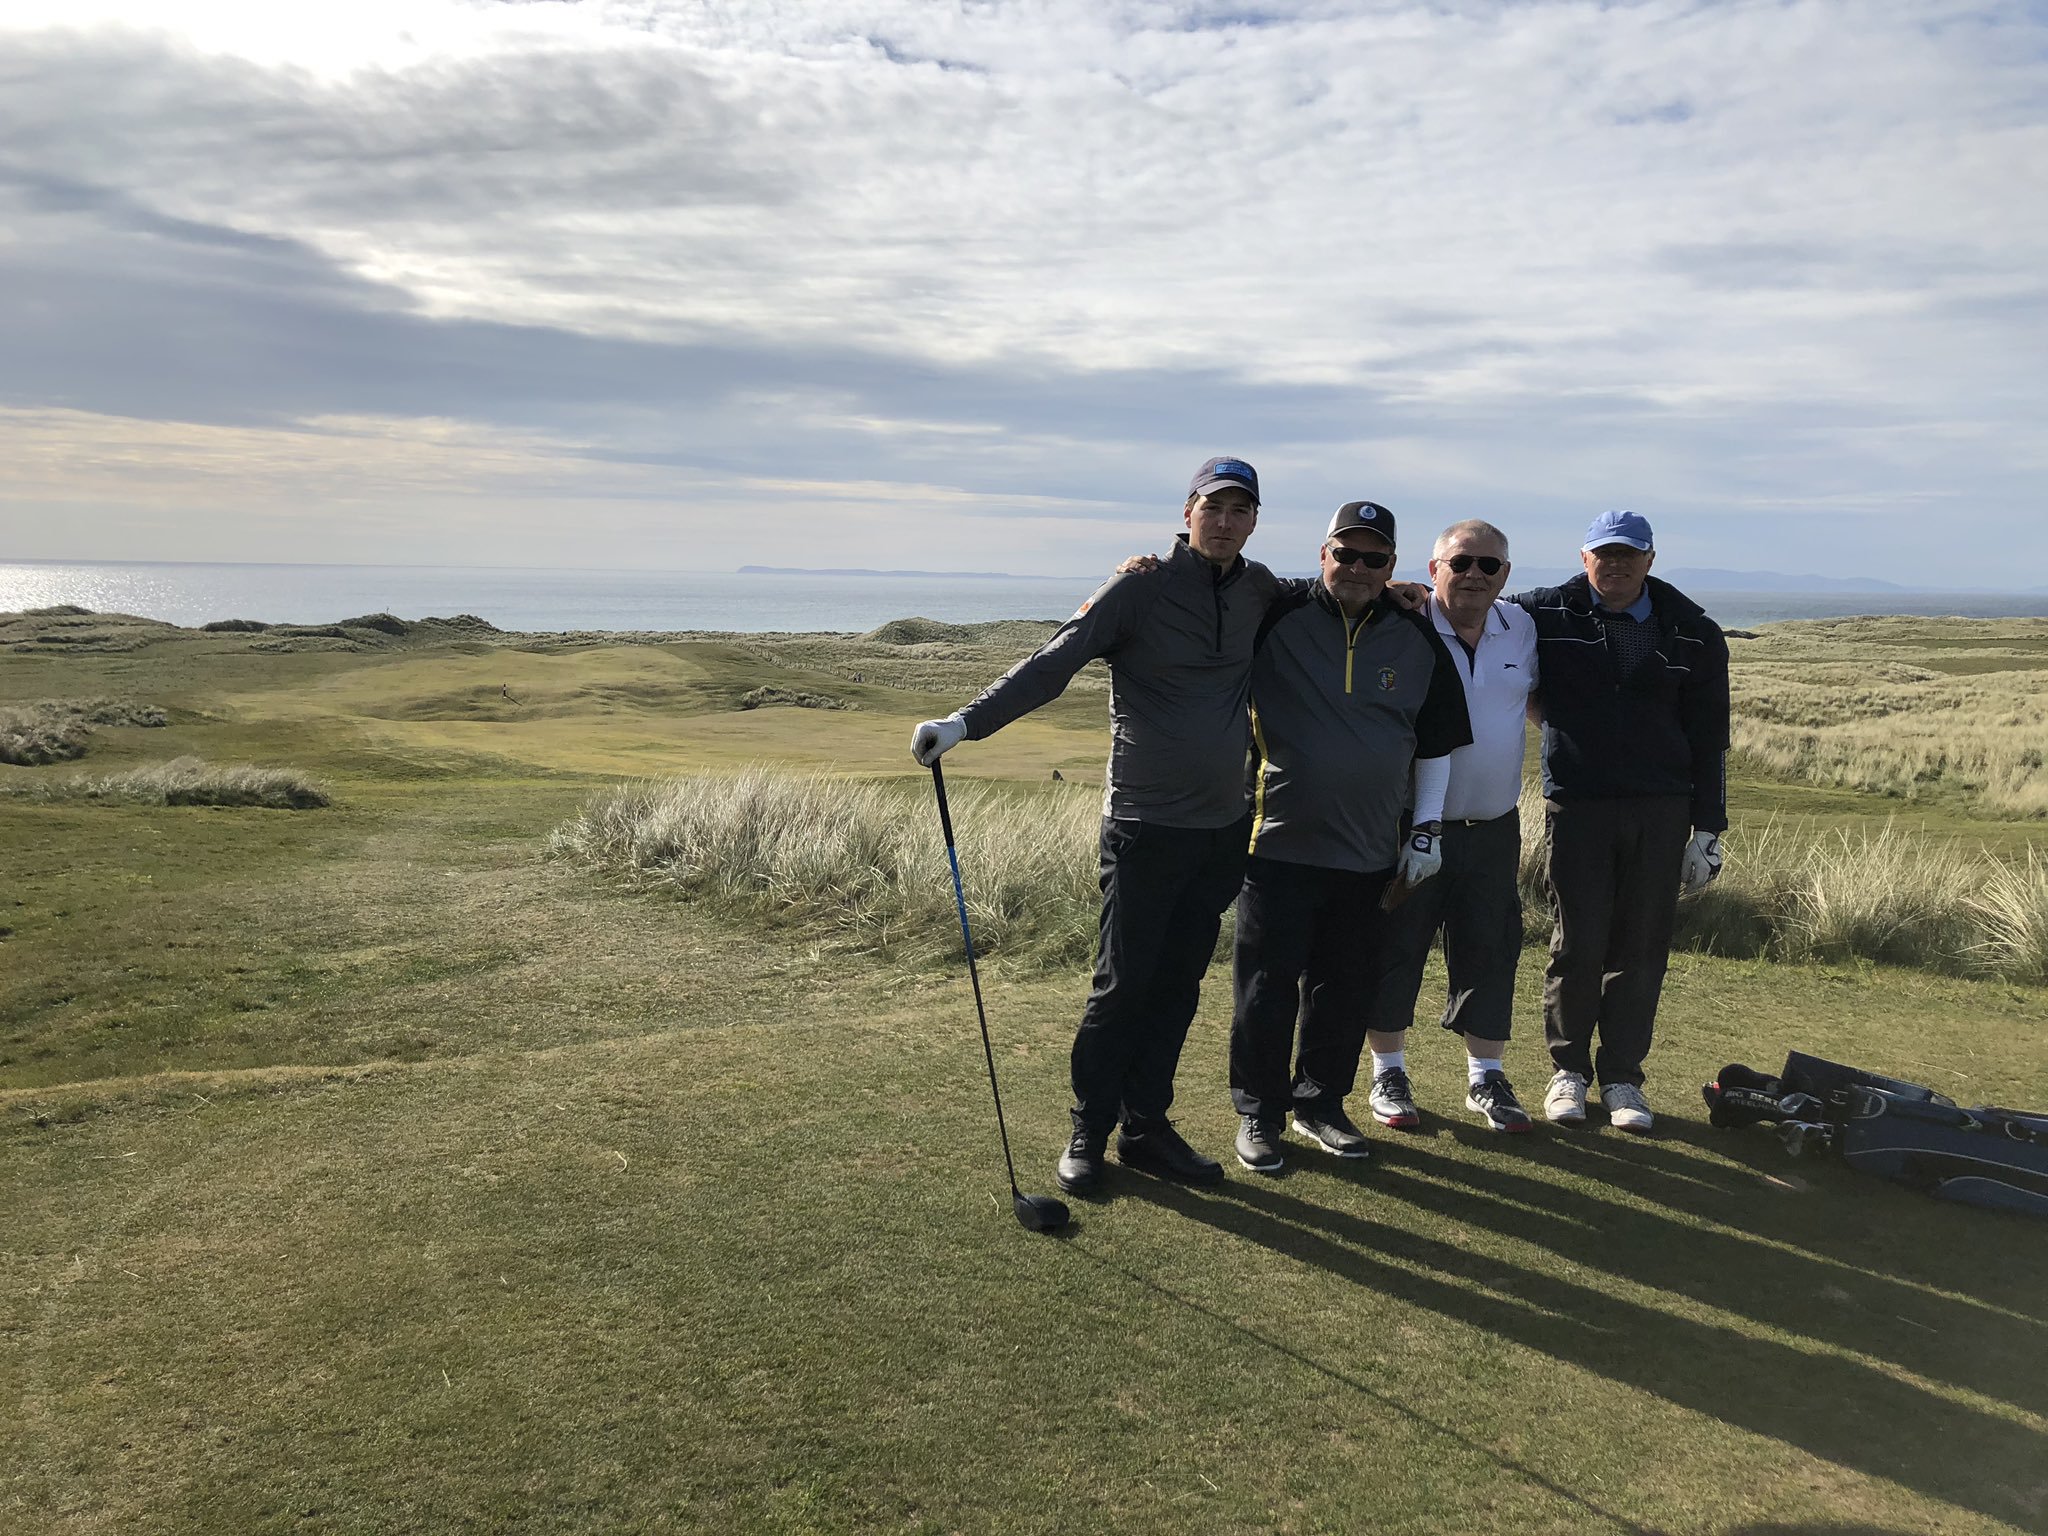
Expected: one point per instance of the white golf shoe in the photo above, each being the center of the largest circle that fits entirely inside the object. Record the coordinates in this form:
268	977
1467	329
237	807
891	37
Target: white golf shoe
1564	1102
1627	1109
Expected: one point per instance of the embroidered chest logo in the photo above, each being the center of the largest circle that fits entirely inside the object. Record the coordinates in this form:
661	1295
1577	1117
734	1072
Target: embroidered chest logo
1387	679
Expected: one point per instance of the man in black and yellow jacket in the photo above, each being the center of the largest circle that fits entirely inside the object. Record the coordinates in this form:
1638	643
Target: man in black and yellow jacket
1349	691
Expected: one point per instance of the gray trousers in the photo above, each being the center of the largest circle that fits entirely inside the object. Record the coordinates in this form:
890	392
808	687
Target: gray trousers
1475	901
1613	876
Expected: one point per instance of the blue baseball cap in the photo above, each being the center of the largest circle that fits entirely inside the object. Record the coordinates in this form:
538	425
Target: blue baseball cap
1217	473
1628	528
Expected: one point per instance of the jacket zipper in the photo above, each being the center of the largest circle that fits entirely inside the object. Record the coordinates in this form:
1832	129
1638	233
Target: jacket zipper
1351	642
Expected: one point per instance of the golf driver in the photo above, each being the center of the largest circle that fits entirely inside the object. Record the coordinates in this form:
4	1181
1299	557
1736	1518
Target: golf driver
1039	1213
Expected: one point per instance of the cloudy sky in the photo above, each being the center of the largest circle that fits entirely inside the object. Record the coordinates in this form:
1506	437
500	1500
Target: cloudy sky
975	284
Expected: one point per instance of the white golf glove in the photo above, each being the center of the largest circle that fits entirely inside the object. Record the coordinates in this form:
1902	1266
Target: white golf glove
1423	856
1702	862
932	740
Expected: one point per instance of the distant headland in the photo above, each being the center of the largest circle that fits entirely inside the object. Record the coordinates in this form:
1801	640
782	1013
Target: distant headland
797	570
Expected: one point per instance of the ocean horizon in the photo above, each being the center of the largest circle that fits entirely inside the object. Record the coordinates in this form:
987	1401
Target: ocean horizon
514	598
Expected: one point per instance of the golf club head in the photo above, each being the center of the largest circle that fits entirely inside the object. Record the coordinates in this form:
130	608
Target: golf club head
1801	1138
1803	1106
1039	1213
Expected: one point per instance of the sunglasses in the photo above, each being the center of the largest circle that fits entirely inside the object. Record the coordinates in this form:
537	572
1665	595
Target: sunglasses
1489	565
1372	558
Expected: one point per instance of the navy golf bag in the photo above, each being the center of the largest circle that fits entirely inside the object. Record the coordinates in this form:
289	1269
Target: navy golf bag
1986	1156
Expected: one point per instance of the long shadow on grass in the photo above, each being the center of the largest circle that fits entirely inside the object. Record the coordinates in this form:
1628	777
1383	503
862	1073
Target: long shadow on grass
1852	1218
1837	1409
1393	1405
1833	1299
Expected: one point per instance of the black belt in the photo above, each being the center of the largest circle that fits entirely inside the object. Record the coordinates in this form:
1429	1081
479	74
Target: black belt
1478	821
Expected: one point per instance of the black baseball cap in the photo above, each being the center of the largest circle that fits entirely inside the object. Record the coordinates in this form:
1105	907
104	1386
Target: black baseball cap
1369	515
1217	473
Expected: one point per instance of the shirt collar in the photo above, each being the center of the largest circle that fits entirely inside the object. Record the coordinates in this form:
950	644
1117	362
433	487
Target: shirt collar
1639	610
1442	618
1184	552
1381	605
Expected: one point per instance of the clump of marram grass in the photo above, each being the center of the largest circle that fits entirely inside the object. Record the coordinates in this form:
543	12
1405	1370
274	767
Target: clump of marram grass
2011	907
863	860
867	861
60	730
774	693
30	739
1883	894
190	781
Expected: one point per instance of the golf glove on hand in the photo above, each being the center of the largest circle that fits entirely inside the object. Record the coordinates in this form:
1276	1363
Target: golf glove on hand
1423	856
935	738
1702	862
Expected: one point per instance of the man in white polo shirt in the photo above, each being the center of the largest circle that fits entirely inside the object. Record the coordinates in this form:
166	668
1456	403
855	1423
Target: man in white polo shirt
1475	899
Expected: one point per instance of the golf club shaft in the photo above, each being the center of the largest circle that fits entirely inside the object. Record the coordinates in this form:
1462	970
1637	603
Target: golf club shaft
973	975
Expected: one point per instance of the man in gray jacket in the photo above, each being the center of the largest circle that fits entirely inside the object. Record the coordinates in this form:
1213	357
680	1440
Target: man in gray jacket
1178	639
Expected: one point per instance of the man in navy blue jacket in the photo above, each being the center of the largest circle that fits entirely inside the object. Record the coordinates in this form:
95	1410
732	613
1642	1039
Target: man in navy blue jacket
1635	740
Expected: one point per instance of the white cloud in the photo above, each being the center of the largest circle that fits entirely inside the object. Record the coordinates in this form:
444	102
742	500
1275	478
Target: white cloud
1801	229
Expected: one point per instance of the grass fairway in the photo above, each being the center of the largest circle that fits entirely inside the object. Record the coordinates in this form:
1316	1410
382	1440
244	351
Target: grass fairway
364	1173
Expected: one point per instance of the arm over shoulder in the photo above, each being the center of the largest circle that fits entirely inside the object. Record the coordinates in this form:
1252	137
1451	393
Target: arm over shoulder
1101	624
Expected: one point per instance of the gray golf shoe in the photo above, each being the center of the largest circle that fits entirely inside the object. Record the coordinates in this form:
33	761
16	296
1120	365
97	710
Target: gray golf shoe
1331	1129
1258	1145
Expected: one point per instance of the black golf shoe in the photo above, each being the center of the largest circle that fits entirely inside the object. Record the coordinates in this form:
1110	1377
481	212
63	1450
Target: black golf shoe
1155	1147
1080	1166
1258	1145
1494	1101
1331	1129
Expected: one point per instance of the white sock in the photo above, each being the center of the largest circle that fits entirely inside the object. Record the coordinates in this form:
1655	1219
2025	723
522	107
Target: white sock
1389	1061
1477	1067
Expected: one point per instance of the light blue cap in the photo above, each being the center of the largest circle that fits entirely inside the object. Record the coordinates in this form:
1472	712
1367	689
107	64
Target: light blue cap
1629	528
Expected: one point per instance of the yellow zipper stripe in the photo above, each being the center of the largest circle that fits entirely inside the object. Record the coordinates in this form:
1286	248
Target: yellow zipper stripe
1259	794
1351	642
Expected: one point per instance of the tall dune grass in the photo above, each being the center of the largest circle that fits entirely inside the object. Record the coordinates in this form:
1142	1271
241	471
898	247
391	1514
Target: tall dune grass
863	860
58	730
190	781
1882	893
866	862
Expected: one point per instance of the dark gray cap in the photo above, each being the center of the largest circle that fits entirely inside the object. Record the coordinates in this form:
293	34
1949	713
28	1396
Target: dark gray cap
1215	474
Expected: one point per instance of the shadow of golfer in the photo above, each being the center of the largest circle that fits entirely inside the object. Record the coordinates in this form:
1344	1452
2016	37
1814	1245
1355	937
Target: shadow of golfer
1580	1502
1740	1263
1839	1409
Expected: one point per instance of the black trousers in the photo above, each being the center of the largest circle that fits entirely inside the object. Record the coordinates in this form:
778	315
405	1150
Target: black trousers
1477	902
1307	943
1613	875
1163	894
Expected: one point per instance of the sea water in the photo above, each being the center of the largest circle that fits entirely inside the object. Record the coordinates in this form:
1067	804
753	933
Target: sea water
539	600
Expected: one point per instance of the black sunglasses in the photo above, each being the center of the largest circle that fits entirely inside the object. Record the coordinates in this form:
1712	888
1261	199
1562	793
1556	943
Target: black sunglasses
1489	565
1373	558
